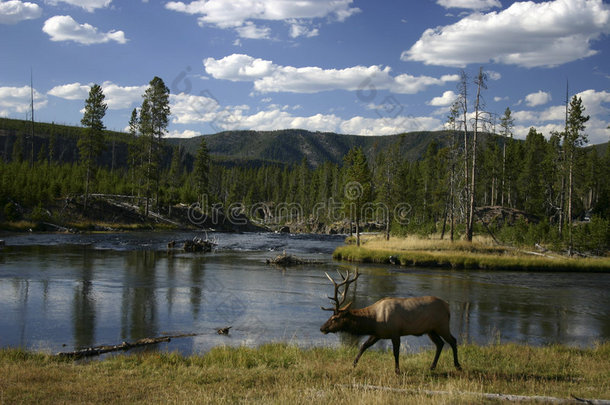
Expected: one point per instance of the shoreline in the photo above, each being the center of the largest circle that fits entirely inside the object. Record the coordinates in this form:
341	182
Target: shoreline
463	256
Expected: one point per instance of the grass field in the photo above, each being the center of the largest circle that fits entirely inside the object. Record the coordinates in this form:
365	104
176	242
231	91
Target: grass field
280	373
482	253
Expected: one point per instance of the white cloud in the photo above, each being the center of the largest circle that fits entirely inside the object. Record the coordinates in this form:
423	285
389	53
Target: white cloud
89	5
470	4
116	97
493	75
119	97
538	98
298	29
72	91
64	28
552	118
446	99
498	99
251	31
526	34
268	77
14	11
187	133
235	14
389	126
17	100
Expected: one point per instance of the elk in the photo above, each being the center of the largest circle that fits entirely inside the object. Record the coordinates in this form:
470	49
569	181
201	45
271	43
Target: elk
391	318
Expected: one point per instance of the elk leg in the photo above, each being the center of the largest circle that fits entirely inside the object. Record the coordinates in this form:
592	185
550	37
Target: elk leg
396	347
448	337
453	343
439	347
368	343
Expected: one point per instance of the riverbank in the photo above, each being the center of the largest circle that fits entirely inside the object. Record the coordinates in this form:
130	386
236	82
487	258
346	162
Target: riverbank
480	254
281	373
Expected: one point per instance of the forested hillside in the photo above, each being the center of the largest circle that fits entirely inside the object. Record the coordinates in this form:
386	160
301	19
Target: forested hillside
303	179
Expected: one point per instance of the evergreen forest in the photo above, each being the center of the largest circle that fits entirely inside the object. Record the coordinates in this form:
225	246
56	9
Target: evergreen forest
466	179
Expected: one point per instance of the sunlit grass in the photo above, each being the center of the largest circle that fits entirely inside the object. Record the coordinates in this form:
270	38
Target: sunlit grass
480	254
281	373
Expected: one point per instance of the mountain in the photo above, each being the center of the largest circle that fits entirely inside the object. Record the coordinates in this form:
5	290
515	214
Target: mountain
293	145
243	148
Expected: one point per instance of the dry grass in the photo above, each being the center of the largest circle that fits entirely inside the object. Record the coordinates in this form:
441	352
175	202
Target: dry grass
480	254
281	373
433	243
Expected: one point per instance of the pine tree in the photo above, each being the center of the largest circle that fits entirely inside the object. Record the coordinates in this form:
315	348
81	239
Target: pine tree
202	171
574	138
357	187
154	118
90	144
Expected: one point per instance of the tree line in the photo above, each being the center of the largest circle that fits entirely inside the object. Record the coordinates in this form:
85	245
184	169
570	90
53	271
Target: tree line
556	181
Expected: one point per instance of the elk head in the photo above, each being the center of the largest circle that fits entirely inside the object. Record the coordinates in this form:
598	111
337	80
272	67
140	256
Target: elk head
341	315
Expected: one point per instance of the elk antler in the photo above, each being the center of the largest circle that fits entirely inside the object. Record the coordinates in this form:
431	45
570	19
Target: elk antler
346	282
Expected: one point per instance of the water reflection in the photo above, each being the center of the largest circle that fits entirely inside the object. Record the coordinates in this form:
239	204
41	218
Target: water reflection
81	296
84	311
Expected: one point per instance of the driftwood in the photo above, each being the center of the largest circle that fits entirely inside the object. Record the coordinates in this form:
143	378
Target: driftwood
484	395
289	260
194	245
98	350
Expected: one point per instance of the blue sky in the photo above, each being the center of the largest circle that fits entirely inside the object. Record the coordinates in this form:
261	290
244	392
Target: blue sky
347	66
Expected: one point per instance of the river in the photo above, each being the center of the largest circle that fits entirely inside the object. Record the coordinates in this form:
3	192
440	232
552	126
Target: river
60	292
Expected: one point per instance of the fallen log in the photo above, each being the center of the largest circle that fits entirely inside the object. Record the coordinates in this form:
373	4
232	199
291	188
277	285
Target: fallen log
124	346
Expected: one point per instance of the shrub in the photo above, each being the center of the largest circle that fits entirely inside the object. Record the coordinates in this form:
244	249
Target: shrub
11	213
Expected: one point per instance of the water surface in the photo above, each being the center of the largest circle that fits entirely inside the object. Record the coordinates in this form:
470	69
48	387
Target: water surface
62	292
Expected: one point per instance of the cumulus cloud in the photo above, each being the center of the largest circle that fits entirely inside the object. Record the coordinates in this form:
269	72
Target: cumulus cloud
525	34
89	5
552	118
72	91
268	77
446	99
116	97
470	4
236	14
65	28
17	100
538	98
205	109
14	11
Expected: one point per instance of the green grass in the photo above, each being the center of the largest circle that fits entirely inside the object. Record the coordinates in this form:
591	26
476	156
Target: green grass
281	373
462	255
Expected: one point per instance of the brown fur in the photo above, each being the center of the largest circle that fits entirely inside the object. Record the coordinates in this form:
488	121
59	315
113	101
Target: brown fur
391	318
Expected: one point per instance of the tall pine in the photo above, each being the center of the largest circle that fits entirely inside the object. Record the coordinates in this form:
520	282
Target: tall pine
90	144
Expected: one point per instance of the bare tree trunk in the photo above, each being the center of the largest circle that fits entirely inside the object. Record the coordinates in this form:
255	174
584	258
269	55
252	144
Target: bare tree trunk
569	216
480	83
503	172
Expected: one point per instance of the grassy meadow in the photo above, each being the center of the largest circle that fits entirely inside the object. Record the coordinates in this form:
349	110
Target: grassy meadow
482	253
280	373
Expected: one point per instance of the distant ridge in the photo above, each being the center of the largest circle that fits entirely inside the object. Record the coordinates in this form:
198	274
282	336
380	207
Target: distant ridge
241	148
291	146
